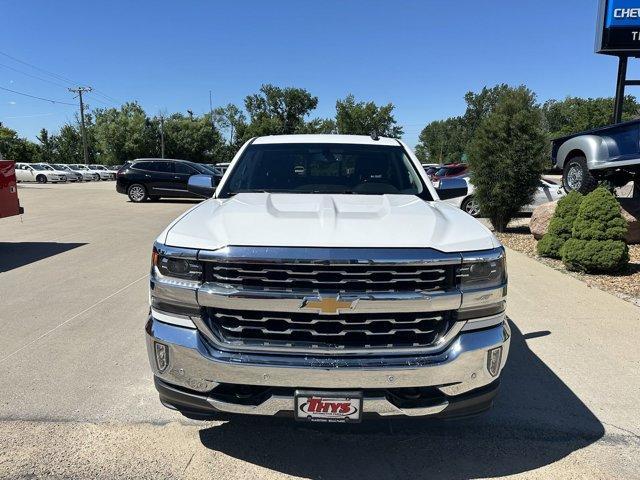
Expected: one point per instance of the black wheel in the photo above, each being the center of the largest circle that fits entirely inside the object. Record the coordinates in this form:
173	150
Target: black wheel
96	177
41	179
137	193
471	206
576	176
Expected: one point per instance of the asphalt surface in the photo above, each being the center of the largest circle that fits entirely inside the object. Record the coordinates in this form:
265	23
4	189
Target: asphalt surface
77	398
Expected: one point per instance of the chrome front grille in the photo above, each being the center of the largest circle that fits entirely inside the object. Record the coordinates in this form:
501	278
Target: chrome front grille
334	278
315	331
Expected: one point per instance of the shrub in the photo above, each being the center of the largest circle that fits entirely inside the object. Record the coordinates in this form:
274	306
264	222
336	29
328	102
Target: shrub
507	155
561	226
597	243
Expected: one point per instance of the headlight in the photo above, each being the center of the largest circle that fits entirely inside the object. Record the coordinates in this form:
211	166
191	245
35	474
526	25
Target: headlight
176	267
483	270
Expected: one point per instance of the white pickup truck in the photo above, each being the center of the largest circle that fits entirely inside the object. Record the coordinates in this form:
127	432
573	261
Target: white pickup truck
324	279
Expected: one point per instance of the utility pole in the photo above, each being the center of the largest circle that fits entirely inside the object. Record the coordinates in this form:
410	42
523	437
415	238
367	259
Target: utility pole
80	91
161	136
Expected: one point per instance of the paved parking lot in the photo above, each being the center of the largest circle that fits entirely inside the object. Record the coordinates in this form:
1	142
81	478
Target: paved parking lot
77	399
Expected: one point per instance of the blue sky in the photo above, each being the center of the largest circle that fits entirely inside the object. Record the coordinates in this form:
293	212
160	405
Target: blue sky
422	56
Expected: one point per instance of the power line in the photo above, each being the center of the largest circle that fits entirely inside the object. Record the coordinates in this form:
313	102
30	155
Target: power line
80	91
33	76
38	98
55	75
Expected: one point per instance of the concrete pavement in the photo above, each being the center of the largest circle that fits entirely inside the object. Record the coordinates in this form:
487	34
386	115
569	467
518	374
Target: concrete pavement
77	398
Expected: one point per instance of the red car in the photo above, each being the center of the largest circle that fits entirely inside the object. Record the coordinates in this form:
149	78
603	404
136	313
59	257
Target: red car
451	170
9	203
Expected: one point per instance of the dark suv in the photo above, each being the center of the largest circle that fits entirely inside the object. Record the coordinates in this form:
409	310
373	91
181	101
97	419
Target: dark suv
153	178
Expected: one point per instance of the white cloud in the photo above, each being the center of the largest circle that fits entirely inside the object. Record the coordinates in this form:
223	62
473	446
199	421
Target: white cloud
12	102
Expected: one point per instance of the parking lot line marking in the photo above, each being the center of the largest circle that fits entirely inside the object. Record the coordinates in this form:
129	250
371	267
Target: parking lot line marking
72	318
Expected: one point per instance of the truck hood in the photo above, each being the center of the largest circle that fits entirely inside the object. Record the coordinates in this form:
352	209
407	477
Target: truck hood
324	220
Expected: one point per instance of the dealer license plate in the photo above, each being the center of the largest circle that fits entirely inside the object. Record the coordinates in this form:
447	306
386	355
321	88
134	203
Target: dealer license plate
328	406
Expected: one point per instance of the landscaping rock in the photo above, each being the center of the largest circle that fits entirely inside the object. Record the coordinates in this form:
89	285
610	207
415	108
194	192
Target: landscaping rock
541	218
630	207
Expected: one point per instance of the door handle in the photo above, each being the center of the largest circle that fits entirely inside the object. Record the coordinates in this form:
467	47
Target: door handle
146	175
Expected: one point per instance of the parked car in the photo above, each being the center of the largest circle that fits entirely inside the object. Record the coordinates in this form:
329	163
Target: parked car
33	172
9	202
548	191
71	176
153	178
305	287
431	168
96	175
450	171
608	153
111	174
83	175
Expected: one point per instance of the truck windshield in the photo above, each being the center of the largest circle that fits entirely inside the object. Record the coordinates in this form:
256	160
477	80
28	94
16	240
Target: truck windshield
325	168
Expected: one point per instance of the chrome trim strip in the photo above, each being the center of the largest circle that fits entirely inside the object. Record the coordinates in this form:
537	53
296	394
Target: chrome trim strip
479	298
331	256
282	403
483	255
480	323
228	297
173	319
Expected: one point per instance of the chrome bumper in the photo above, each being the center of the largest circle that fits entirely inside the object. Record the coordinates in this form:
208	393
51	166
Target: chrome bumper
195	365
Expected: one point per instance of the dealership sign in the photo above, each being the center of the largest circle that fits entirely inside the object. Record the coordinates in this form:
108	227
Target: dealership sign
619	27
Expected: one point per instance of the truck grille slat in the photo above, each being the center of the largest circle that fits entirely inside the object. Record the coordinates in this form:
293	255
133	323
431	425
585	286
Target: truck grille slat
340	278
342	331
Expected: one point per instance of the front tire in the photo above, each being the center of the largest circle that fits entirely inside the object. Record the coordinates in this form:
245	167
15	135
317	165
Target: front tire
470	205
576	176
137	193
41	179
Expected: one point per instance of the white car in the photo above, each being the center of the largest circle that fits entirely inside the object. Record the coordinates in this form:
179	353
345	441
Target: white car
96	175
111	175
34	172
71	176
547	192
83	176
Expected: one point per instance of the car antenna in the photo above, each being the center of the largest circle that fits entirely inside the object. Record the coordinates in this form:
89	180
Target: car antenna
374	136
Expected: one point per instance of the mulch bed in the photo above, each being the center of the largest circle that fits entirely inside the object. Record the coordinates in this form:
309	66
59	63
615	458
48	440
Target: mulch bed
625	284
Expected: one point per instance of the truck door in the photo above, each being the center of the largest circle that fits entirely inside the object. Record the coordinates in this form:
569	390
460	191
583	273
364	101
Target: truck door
9	203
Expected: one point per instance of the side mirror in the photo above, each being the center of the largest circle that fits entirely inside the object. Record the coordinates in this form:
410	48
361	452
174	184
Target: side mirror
202	185
452	188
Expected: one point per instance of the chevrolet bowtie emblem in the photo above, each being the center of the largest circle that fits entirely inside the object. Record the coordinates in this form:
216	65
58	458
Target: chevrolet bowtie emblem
326	305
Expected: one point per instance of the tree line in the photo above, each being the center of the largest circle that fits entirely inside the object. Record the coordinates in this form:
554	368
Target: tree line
115	135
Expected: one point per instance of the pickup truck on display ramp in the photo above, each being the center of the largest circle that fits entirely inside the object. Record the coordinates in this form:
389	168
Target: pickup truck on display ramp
326	280
609	153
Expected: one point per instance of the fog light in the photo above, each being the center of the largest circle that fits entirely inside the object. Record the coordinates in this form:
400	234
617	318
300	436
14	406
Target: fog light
494	358
162	357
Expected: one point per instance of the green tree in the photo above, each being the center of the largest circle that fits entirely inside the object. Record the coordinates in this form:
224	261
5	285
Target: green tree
278	111
447	141
365	118
507	156
191	138
573	114
46	146
232	120
443	141
597	243
67	145
12	147
561	226
125	133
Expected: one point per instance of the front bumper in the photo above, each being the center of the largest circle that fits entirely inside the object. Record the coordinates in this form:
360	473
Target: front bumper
195	369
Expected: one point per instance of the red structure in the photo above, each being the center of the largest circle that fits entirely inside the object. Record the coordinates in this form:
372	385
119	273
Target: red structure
9	203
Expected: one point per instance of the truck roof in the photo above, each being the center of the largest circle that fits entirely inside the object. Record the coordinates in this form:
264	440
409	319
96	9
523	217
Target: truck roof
326	138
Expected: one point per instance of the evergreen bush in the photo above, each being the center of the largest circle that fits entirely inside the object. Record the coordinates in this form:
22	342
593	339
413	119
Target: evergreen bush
561	226
597	243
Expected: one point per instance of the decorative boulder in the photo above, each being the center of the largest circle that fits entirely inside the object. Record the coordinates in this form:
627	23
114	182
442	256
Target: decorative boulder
630	208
